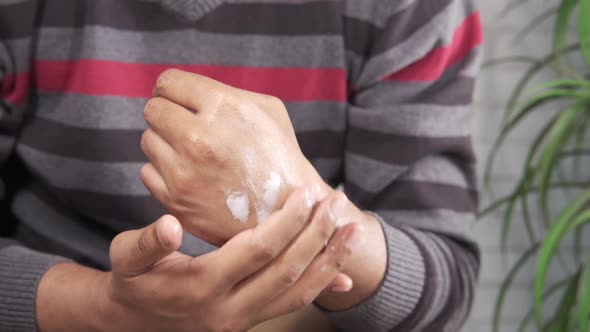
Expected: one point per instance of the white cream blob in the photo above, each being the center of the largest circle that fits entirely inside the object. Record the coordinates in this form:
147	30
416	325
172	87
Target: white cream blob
239	205
270	197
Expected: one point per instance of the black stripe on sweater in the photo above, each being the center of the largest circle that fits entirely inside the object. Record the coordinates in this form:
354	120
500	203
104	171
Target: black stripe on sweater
111	145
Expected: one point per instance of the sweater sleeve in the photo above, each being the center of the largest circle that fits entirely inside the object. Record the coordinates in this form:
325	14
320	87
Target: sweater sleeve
409	158
20	268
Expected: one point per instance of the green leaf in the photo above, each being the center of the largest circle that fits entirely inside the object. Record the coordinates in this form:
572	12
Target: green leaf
509	59
507	282
584	29
561	319
564	14
527	218
559	135
579	144
502	201
514	97
523	186
546	296
567	219
564	84
584	298
535	22
511	6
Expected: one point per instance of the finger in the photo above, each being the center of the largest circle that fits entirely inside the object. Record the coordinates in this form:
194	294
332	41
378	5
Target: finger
172	122
252	249
134	252
340	284
319	274
157	150
154	182
193	91
283	272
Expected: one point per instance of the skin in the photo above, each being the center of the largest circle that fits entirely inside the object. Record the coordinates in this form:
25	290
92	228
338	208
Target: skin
263	272
198	131
314	247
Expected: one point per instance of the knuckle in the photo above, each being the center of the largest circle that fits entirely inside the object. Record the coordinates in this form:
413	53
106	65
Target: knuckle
301	214
144	142
115	247
151	108
306	298
339	263
289	276
337	259
273	102
144	173
261	250
207	150
182	182
165	79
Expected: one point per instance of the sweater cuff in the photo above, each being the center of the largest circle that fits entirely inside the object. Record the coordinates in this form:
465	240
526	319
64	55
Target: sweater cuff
21	270
399	292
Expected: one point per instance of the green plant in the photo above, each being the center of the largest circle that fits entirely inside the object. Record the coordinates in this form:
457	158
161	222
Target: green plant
561	142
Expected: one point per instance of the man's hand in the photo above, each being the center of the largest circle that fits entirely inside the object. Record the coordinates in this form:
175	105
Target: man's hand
221	159
264	272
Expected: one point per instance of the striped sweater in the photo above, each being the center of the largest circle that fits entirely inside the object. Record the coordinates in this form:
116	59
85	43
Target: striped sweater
379	93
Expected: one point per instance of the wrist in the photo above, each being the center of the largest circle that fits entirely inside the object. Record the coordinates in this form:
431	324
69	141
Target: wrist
366	267
72	297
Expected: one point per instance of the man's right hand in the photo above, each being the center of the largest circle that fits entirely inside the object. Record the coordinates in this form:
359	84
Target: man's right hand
262	273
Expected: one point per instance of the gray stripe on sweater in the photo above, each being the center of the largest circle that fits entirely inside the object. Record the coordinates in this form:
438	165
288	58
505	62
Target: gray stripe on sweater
115	178
461	76
415	120
12	2
104	43
416	46
20	54
370	174
432	169
118	178
110	112
443	221
60	228
377	14
440	169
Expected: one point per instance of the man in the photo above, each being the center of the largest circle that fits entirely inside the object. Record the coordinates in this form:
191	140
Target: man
379	95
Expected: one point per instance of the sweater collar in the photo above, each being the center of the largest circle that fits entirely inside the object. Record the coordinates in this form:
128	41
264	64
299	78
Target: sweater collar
190	9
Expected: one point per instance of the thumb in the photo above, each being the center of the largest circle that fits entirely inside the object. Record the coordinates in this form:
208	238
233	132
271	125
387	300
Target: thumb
133	252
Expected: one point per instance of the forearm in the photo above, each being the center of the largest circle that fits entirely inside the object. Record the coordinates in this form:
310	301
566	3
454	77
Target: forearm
72	297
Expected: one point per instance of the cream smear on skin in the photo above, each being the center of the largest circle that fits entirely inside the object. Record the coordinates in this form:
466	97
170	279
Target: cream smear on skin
264	200
239	205
270	197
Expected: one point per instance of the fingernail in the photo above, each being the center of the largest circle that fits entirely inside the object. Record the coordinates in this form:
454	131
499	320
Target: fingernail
341	288
164	242
355	238
337	212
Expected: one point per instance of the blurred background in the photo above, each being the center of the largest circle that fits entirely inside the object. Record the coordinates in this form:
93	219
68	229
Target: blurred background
558	95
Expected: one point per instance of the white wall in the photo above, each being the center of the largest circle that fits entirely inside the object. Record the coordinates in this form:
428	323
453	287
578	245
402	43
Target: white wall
494	87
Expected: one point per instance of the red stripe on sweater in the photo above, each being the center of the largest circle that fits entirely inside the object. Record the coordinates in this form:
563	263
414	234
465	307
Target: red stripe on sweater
15	88
96	77
466	37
